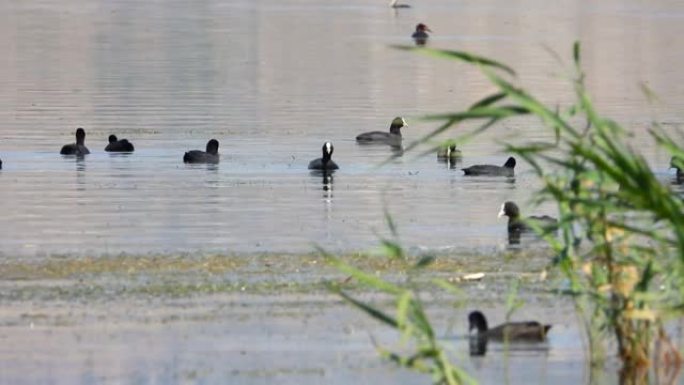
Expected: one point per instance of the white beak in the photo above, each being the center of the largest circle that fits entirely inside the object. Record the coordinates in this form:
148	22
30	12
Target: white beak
501	212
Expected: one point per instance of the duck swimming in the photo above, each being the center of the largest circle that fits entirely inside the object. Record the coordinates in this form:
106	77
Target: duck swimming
421	35
77	148
394	4
393	137
491	170
674	164
325	163
509	331
209	156
122	145
518	225
448	152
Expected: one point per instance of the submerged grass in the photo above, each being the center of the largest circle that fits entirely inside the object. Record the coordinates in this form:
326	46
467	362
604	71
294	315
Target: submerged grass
453	264
60	268
62	278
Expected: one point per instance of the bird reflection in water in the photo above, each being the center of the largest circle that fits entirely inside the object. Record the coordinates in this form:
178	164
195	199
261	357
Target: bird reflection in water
327	188
327	182
397	150
80	163
80	173
514	237
477	345
451	163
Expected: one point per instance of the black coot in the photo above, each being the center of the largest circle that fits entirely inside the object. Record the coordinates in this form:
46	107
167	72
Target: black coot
209	156
77	148
509	331
324	163
116	145
492	170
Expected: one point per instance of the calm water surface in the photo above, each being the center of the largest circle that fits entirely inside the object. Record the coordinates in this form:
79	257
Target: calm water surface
273	80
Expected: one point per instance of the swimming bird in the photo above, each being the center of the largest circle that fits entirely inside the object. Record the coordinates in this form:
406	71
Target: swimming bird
393	4
421	35
516	224
324	163
491	170
77	148
674	164
393	137
0	164
448	152
116	145
209	156
509	331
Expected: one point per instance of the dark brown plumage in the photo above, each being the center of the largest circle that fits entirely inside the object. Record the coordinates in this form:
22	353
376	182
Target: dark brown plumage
517	224
510	331
77	148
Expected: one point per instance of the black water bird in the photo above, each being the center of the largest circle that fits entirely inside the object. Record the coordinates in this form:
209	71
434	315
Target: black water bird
77	148
325	163
211	155
116	145
510	331
393	137
394	4
517	225
421	35
491	170
675	163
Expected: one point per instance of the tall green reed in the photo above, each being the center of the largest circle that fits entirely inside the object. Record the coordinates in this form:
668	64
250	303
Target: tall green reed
427	354
620	244
621	237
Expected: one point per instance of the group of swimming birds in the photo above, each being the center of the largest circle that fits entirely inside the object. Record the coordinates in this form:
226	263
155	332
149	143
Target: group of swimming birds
511	331
530	330
325	163
516	224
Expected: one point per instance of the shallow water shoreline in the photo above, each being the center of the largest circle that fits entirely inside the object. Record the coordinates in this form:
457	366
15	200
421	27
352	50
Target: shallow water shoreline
251	319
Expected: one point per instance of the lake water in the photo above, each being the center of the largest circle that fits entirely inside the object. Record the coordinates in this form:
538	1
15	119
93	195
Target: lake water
273	80
236	340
